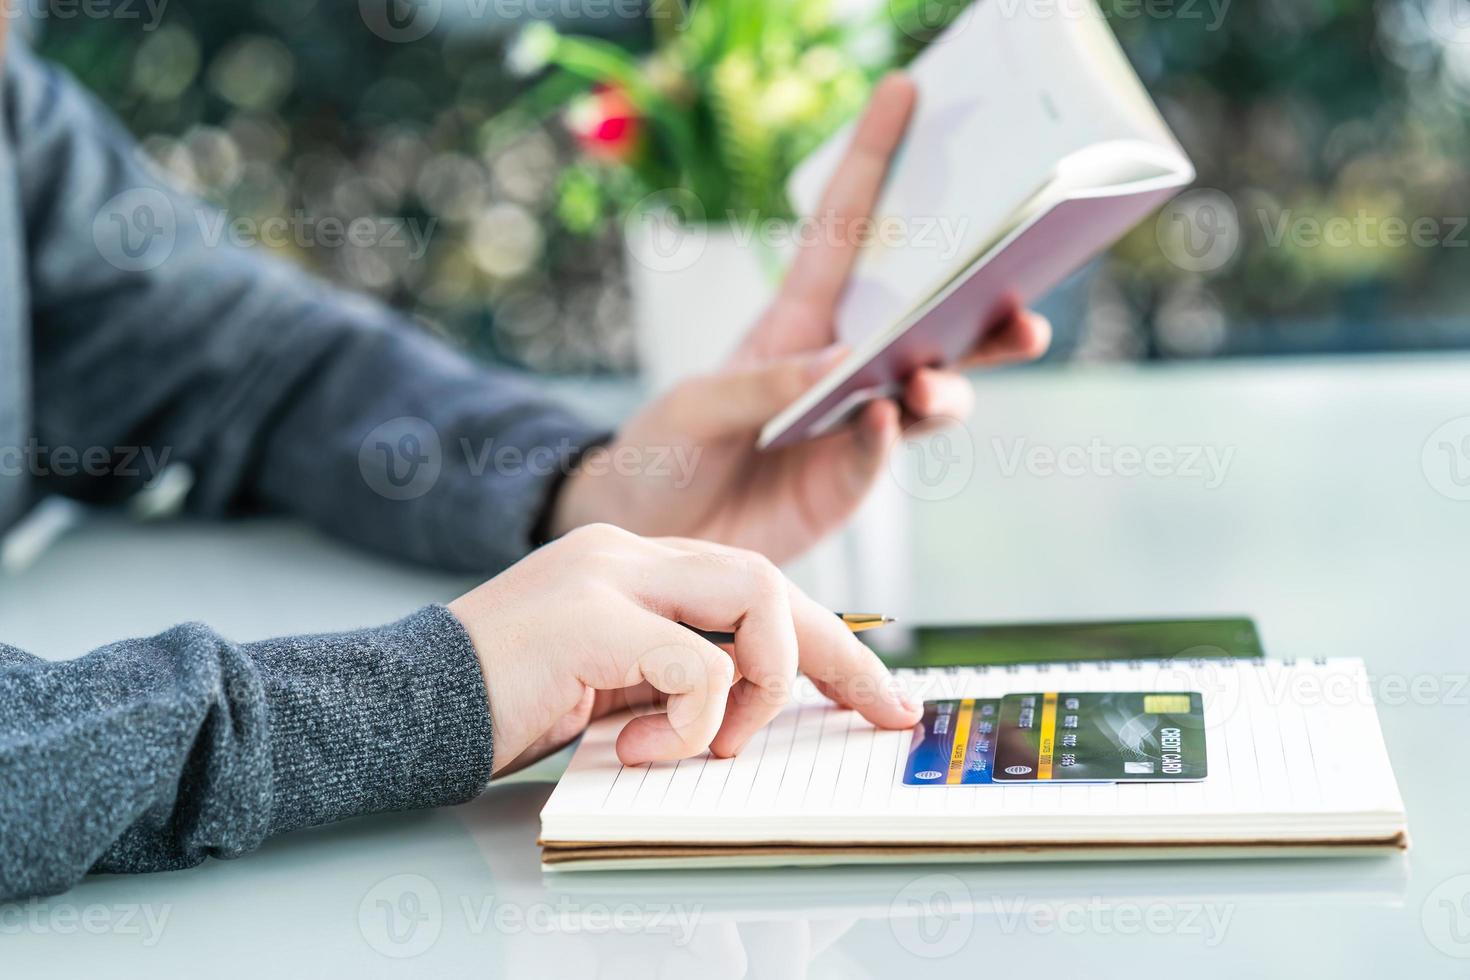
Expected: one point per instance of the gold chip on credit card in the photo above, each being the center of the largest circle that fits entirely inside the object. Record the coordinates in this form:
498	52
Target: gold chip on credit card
1166	704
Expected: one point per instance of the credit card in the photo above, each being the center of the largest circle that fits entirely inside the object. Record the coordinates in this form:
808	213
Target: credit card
954	744
1100	737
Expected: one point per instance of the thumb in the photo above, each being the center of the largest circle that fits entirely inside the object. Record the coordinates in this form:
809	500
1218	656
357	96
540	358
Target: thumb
741	399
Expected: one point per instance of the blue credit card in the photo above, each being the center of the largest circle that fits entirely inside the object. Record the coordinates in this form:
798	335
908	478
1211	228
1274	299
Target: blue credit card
954	744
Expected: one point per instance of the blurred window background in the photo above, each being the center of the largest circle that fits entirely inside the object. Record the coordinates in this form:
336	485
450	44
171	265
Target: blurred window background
495	160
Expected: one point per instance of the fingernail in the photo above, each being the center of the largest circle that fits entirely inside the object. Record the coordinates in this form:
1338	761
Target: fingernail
907	700
825	360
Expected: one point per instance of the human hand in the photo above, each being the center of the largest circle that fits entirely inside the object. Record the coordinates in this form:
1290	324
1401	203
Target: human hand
590	624
693	466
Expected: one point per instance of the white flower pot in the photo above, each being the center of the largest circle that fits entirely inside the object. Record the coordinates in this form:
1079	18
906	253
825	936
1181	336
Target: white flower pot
696	291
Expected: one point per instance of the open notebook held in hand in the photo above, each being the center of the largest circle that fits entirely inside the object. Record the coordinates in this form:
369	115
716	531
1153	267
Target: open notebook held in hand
1032	148
1294	765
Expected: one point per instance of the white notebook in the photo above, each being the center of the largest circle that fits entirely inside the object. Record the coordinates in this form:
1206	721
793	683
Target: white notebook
1296	766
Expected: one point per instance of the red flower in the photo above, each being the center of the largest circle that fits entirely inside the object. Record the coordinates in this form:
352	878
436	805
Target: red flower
606	125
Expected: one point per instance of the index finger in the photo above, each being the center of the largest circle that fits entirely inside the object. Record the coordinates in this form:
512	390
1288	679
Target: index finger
841	666
820	271
845	670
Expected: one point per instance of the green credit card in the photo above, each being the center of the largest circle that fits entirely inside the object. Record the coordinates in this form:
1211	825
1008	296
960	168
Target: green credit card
1100	737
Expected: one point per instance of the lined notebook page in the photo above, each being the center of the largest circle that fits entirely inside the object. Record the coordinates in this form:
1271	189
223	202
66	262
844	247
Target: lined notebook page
1296	740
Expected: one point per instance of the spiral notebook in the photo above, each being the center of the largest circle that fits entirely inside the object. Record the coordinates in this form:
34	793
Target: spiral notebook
1297	766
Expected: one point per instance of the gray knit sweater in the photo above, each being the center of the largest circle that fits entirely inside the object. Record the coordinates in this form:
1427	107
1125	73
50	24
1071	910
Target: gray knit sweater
125	331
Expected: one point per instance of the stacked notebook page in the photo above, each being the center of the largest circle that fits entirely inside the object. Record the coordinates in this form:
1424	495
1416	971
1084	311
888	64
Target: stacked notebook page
1296	766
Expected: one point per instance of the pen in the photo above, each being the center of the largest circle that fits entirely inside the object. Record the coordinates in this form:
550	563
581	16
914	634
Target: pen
857	622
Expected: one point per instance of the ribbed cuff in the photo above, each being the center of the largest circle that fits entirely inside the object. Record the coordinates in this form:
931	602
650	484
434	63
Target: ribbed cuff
391	718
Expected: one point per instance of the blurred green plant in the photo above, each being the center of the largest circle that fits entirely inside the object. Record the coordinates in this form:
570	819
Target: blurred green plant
728	98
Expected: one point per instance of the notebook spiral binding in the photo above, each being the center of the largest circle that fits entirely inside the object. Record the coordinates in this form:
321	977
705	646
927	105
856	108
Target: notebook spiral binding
1073	666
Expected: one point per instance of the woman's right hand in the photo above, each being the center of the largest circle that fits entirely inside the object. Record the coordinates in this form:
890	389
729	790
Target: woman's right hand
590	623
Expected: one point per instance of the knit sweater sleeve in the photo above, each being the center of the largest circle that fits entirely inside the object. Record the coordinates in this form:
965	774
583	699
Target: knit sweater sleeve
153	754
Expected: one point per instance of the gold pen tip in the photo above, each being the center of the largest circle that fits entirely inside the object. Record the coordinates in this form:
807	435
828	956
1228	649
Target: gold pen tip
860	622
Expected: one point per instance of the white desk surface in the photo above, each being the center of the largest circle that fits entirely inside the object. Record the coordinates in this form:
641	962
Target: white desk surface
1332	526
